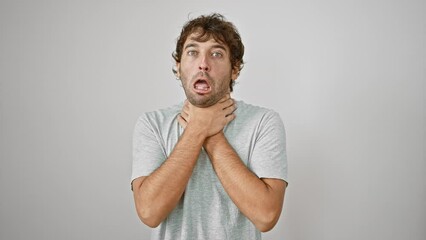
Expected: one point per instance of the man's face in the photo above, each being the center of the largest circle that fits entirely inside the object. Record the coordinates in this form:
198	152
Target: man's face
205	71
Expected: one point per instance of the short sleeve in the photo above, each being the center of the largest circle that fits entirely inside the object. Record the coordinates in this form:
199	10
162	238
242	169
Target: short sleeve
269	156
148	152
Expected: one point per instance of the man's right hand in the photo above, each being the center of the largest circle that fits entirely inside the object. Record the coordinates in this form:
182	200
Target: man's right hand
210	120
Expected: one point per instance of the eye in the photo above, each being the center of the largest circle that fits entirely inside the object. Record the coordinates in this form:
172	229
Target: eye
217	54
191	53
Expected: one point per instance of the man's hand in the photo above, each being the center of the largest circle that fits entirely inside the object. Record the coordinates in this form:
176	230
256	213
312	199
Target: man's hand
210	120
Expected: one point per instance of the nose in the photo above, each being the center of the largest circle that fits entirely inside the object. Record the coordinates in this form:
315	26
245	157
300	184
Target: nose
204	66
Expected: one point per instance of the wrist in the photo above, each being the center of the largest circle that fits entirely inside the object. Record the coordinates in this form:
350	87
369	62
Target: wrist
212	141
195	133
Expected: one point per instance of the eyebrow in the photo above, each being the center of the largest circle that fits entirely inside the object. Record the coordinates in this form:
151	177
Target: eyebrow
219	46
191	45
214	46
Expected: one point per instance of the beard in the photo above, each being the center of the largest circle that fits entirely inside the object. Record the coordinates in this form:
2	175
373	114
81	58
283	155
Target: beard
219	88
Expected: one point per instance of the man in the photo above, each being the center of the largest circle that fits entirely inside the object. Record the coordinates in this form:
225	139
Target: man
211	167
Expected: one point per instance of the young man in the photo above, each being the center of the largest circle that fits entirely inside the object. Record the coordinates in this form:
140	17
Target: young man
211	167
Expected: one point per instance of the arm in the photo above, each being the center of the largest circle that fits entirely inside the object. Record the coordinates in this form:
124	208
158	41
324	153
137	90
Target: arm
158	194
259	199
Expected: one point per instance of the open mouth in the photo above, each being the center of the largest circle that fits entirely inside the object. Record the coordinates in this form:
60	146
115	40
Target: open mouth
201	86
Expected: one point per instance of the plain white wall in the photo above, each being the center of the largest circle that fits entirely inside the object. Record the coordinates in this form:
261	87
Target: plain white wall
347	77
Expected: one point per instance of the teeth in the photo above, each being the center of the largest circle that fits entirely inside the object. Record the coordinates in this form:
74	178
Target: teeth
201	85
201	88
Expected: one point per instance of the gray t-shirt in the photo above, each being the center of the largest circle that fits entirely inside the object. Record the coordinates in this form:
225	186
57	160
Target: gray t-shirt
205	210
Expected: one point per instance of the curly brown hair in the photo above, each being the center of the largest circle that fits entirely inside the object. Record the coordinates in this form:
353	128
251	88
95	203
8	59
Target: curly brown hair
216	26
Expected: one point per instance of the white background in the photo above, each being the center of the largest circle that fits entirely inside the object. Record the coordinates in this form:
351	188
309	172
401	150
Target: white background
347	77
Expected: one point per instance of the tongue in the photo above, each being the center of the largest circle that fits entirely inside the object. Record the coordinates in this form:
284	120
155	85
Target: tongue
201	85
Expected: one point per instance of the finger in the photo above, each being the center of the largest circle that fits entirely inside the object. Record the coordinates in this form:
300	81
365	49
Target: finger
187	106
230	110
182	121
228	103
226	97
186	110
184	115
229	118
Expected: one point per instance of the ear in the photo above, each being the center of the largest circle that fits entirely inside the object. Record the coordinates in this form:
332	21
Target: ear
235	72
177	68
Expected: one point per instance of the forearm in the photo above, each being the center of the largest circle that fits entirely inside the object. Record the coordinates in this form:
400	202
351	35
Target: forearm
252	195
159	193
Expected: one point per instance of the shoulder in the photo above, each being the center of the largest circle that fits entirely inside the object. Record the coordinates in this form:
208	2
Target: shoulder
248	111
155	120
162	115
